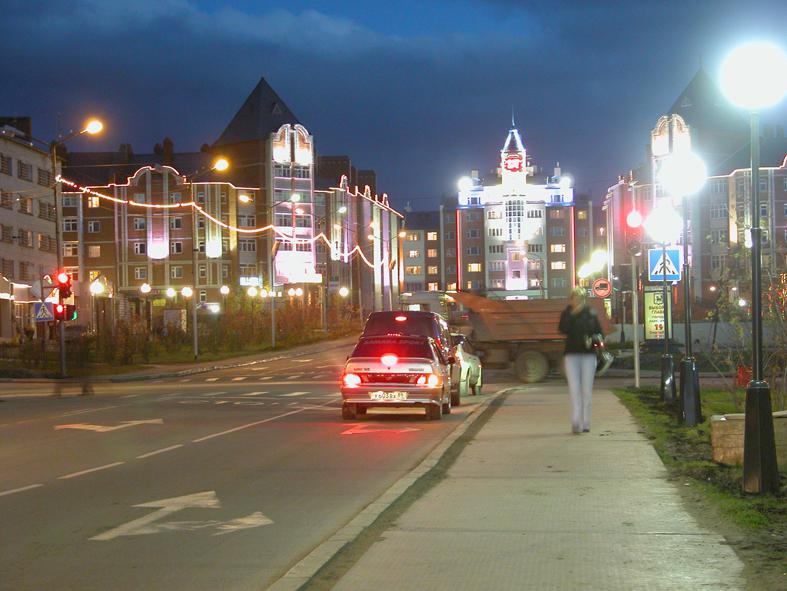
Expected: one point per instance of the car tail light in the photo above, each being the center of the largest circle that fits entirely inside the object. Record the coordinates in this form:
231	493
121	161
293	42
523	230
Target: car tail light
432	380
351	380
400	318
389	359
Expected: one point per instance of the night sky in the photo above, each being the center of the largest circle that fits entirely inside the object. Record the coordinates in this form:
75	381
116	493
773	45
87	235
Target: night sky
419	90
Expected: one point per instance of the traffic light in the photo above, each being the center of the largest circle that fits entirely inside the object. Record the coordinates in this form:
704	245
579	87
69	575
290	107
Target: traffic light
59	311
63	281
71	312
634	233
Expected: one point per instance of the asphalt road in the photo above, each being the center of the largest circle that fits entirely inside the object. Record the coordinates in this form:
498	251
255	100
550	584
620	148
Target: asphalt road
216	481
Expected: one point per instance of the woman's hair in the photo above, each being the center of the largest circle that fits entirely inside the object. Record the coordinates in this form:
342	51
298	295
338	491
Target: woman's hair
579	293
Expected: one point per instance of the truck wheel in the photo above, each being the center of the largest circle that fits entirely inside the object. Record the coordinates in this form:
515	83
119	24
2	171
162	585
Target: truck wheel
531	366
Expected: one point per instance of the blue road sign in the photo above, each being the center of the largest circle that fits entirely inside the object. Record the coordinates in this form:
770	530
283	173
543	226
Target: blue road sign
44	312
658	264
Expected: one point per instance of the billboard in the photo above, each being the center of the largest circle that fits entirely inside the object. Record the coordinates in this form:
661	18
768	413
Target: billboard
654	313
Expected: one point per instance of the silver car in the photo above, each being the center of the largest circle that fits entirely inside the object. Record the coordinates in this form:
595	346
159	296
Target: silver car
470	374
396	371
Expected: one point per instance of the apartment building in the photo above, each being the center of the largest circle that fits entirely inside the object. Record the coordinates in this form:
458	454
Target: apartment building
421	252
27	223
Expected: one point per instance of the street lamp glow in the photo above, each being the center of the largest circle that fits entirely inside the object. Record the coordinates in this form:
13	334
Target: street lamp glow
243	198
683	174
402	234
299	292
295	197
291	292
344	292
145	288
747	241
263	293
96	287
342	209
754	75
584	271
171	292
224	290
252	291
94	126
465	183
187	292
742	303
663	224
221	164
370	236
598	259
215	308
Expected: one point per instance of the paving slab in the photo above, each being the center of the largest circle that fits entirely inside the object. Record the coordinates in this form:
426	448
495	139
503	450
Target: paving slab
529	505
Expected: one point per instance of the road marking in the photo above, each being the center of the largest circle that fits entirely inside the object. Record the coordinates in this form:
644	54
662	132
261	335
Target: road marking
131	395
255	393
202	500
294	376
86	410
292	412
258	368
108	428
362	429
89	470
185	380
266	377
239	378
159	451
211	379
213	394
303	360
291	394
20	489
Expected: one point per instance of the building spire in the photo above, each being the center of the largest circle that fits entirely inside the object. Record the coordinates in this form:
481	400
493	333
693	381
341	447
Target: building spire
513	122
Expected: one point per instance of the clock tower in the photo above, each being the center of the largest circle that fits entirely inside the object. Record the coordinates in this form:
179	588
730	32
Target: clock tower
513	165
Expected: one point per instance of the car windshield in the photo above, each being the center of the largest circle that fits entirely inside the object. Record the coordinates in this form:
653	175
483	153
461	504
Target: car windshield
399	323
402	347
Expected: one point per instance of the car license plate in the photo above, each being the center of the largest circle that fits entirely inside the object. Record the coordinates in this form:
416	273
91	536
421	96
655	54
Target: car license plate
388	395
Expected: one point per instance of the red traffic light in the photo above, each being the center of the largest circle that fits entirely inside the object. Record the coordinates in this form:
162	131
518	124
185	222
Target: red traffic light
63	278
634	219
60	311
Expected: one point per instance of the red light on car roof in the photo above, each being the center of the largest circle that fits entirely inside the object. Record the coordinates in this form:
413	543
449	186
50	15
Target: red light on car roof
389	359
400	318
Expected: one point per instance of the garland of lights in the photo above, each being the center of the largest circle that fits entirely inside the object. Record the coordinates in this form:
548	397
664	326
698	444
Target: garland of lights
195	206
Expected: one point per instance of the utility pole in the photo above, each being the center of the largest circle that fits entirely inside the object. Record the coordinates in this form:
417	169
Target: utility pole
59	246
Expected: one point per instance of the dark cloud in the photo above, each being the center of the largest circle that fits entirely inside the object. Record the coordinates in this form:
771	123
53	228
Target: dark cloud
421	102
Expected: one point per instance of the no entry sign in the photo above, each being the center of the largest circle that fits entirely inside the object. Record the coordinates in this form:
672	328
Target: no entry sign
602	288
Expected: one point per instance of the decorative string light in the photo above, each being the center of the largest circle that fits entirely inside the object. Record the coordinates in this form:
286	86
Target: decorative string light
335	252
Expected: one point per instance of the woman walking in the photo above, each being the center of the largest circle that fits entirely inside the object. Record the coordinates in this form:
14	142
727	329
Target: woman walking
581	326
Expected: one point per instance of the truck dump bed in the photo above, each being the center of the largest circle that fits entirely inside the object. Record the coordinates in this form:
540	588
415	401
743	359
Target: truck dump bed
520	320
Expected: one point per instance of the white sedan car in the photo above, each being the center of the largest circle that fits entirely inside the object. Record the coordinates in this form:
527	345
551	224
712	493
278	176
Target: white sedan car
470	379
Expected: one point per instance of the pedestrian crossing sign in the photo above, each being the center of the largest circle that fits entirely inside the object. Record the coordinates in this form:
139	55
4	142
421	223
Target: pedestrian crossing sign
43	312
664	262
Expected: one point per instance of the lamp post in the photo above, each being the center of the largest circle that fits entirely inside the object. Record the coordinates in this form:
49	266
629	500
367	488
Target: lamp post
683	174
92	127
634	221
187	293
754	77
663	225
144	289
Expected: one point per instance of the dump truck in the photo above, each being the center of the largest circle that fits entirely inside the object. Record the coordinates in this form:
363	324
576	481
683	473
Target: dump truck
522	333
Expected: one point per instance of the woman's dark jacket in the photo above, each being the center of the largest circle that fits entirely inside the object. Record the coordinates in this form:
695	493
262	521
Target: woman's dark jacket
577	327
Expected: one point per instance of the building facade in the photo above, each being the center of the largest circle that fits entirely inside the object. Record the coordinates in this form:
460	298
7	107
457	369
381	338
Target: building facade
28	238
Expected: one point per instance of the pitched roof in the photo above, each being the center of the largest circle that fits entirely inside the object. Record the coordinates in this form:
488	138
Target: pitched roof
513	142
702	105
262	113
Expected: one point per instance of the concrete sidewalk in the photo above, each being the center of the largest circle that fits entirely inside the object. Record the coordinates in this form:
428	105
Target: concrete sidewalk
528	505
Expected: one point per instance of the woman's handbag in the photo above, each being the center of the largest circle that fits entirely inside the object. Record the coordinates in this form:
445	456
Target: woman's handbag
604	357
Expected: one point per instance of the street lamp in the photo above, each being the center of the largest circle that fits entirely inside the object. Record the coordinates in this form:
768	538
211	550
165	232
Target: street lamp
171	292
683	174
92	127
187	292
344	292
144	289
754	77
663	225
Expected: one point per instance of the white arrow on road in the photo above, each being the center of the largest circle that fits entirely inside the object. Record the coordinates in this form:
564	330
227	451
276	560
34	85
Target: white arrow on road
363	429
107	428
202	500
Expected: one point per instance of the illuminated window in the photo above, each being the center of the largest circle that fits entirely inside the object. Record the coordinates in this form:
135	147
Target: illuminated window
431	235
94	251
494	214
413	254
93	201
412	270
431	253
434	286
516	256
556	214
432	270
535	283
413	237
557	265
582	215
557	248
451	287
474	267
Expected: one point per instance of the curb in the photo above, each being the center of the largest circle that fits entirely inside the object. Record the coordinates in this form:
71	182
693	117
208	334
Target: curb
303	571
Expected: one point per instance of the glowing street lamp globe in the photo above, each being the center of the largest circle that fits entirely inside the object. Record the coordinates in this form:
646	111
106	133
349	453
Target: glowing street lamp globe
344	292
683	174
663	225
187	292
96	287
252	291
145	288
754	75
221	164
224	290
94	126
171	292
